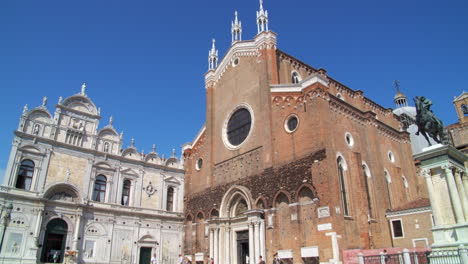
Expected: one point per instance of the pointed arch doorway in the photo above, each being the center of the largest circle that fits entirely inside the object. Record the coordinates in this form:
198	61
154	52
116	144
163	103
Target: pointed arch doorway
55	238
237	236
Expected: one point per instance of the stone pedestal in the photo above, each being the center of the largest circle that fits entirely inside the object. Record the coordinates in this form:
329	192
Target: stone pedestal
444	171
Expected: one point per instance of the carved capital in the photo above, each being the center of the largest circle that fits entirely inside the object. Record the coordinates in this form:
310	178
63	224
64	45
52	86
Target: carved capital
426	173
448	168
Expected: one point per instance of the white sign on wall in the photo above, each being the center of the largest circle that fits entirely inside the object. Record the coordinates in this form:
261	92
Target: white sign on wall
285	254
309	252
322	227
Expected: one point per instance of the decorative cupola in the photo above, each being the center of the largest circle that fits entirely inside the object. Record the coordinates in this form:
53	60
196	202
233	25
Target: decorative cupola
236	29
262	19
212	57
400	99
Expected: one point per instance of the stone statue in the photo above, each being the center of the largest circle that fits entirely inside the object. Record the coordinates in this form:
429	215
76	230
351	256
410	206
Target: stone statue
427	122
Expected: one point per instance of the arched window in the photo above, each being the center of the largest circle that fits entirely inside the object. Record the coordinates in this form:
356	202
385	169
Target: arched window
170	199
295	77
464	109
25	175
367	177
99	193
126	192
341	175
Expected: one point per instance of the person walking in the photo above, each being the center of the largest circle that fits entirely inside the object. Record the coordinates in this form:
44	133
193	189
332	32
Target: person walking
276	259
261	261
55	257
154	260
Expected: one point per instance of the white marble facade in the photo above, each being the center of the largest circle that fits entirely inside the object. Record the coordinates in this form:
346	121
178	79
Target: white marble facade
53	191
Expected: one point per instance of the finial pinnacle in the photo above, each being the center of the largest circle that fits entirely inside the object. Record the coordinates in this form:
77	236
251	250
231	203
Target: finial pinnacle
44	101
111	120
83	88
25	109
261	4
173	152
60	100
132	142
396	83
154	148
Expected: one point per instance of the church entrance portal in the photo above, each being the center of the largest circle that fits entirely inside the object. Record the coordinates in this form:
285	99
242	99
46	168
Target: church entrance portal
145	255
54	240
242	247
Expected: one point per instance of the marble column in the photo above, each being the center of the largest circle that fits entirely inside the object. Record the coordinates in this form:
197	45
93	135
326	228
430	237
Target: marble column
257	241
227	245
216	245
461	192
262	239
76	235
211	243
465	182
430	189
454	196
251	244
37	229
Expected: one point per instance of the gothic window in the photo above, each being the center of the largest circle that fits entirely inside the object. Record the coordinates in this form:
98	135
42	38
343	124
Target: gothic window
238	127
367	176
344	194
99	193
295	77
464	109
126	192
25	175
170	199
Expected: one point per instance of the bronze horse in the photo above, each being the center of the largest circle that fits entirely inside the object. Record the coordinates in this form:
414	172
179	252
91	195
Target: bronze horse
427	122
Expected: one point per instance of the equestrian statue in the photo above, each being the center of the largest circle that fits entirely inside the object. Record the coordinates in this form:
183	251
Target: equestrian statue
428	124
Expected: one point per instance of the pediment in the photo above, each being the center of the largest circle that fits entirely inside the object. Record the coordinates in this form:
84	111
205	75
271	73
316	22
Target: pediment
129	171
31	149
103	165
171	179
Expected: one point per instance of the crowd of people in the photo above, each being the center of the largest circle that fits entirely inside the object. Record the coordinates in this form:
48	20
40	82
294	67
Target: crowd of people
186	260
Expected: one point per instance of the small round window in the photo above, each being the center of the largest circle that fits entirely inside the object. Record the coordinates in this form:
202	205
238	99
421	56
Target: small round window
235	62
238	126
349	139
291	123
199	164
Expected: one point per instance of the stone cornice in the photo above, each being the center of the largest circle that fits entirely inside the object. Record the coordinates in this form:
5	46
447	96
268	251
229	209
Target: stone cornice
111	208
95	152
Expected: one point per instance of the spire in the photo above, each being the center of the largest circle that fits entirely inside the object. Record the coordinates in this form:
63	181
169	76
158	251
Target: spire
153	149
213	57
25	109
236	29
132	142
262	19
44	101
111	120
83	89
60	100
400	99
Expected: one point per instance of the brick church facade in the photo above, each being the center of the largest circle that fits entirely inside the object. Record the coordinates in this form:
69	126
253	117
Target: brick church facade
290	161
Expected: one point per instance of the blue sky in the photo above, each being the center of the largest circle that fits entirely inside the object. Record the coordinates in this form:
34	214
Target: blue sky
144	61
